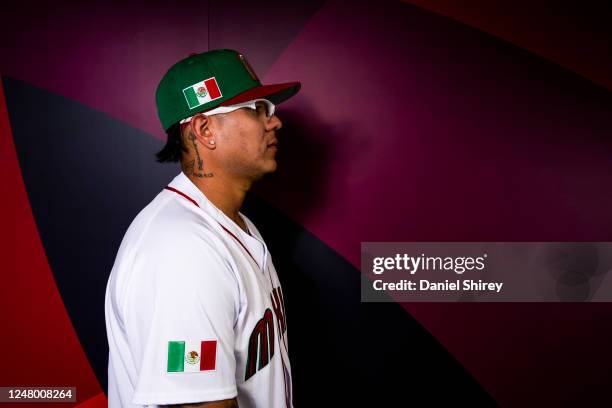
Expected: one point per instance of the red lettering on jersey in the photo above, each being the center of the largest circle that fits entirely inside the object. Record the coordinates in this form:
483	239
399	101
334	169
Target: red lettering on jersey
261	345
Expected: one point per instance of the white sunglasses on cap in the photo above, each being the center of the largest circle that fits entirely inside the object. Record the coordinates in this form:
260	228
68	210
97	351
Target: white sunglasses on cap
270	108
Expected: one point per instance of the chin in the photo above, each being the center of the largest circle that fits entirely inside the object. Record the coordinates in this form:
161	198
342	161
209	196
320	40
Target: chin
267	170
271	167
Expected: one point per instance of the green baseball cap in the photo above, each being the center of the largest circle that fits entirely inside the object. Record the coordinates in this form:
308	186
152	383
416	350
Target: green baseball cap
215	78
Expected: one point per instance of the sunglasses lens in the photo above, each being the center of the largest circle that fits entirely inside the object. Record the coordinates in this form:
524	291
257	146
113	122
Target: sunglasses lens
267	106
261	107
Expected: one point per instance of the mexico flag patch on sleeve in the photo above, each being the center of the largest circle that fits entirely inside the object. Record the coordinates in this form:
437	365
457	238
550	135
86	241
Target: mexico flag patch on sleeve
202	92
192	356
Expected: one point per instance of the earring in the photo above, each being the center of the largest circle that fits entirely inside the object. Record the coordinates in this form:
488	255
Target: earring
212	142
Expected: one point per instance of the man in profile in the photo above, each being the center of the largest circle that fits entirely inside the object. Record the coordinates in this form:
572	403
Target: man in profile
194	308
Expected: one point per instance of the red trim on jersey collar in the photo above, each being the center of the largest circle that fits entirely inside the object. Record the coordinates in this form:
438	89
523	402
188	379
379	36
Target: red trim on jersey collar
183	194
240	242
222	226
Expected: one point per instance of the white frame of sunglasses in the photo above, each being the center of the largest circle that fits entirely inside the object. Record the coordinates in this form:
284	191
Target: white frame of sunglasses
252	104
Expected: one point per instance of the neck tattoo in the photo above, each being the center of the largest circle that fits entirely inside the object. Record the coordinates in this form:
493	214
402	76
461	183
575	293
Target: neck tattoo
190	165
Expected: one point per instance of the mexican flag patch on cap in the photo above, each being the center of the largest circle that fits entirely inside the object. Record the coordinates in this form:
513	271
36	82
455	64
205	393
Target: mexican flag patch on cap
202	92
192	356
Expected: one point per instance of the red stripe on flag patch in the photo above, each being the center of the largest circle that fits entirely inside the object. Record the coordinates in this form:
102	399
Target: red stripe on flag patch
208	355
213	88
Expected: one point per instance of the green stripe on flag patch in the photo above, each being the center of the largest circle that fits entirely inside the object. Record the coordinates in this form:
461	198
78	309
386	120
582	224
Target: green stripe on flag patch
192	98
176	356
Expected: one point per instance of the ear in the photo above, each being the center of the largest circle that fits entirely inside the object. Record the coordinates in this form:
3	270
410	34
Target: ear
200	126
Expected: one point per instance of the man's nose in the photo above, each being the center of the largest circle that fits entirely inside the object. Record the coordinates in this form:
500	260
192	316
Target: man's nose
274	123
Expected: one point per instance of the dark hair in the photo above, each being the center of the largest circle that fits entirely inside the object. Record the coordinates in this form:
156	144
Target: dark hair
174	148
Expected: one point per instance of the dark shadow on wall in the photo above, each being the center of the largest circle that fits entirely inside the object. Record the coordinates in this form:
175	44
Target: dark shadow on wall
308	151
304	155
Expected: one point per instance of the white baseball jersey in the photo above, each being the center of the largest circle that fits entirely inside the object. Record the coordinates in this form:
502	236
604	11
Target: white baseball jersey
194	309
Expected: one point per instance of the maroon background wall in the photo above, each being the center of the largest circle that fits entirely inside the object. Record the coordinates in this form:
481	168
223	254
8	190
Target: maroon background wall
417	121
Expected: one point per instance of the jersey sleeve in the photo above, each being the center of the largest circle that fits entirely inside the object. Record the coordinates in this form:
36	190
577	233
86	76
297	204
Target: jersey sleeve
181	310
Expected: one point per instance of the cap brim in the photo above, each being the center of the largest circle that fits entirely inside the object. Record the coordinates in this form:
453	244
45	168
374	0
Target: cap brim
275	93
